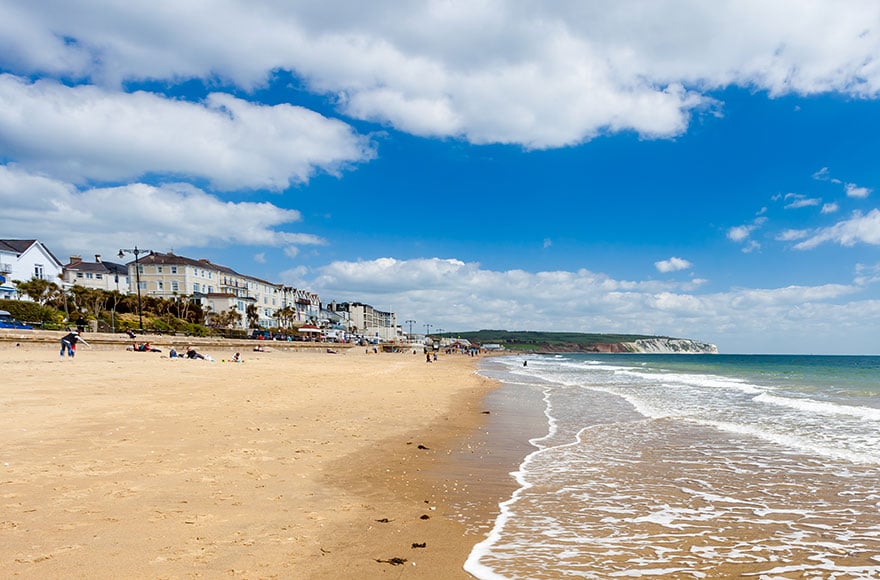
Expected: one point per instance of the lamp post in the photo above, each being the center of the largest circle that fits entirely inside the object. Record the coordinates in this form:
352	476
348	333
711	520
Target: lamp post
410	322
428	329
137	274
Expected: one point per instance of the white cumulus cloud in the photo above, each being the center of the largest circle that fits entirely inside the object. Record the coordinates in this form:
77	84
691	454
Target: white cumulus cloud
853	190
162	217
86	133
672	265
536	74
859	228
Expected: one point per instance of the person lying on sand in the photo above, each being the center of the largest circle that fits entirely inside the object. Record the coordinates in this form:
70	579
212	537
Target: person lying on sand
191	353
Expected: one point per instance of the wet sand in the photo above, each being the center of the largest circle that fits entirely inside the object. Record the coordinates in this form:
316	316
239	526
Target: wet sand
290	465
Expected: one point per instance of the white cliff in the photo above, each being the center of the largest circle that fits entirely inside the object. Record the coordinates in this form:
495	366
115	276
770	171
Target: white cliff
672	345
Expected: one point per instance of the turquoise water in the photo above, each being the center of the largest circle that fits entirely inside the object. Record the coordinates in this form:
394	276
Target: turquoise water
698	466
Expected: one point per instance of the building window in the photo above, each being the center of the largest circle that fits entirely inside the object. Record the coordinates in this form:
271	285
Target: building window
174	269
142	285
79	274
88	275
175	286
210	289
38	271
99	276
158	269
140	269
195	288
160	285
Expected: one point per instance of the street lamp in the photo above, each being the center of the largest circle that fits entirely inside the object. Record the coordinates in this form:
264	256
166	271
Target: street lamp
410	322
428	329
137	273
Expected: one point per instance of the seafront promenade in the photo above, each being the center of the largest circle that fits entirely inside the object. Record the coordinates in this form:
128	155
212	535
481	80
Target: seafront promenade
110	341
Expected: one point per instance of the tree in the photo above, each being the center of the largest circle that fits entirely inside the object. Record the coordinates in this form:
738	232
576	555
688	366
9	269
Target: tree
285	316
253	316
226	319
91	300
37	289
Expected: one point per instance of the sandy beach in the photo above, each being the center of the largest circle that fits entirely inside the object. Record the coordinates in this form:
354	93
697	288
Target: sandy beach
288	465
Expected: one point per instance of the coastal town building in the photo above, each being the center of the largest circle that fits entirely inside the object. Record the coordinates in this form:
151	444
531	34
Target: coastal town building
218	289
369	322
306	305
23	260
99	274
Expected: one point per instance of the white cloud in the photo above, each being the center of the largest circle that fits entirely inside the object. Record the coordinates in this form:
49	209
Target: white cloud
537	74
161	217
867	274
672	265
822	175
461	295
830	208
791	235
751	246
799	201
547	242
853	190
860	228
739	233
86	133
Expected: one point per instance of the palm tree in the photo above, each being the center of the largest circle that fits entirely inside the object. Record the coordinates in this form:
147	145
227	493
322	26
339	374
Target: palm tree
253	316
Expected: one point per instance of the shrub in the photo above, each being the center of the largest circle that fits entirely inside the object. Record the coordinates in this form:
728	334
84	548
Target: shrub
27	311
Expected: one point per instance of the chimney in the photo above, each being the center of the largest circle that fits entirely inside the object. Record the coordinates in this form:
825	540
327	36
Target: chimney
98	258
75	259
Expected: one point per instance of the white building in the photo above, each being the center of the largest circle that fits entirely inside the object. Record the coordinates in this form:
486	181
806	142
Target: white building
23	260
99	274
369	322
214	286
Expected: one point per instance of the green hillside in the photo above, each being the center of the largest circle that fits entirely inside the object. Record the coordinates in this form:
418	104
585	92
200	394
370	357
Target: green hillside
536	340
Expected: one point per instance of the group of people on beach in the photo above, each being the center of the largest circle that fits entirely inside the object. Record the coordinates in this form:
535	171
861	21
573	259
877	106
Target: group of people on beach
71	339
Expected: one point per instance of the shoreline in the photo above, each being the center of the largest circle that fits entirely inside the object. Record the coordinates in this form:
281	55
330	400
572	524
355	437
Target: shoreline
283	466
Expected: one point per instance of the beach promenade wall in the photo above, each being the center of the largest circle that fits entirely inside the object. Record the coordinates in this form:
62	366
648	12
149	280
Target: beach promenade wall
111	341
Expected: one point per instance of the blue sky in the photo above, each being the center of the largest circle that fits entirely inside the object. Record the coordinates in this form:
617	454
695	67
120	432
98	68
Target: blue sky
705	170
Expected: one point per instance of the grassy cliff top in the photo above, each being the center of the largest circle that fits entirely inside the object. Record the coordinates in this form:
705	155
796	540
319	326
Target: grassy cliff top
531	340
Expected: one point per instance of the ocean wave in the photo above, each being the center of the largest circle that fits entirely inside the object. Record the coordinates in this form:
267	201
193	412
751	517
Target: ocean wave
820	407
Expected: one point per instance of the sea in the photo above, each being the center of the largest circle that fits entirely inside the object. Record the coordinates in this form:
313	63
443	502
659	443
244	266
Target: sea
691	466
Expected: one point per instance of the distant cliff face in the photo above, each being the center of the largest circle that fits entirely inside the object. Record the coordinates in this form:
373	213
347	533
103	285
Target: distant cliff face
644	345
673	345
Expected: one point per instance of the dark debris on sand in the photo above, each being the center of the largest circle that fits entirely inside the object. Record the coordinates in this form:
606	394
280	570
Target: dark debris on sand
392	561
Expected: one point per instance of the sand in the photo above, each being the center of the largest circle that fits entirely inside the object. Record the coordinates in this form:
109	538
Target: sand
289	465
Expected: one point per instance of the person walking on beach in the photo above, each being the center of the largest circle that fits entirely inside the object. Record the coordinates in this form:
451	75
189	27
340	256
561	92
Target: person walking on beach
69	343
